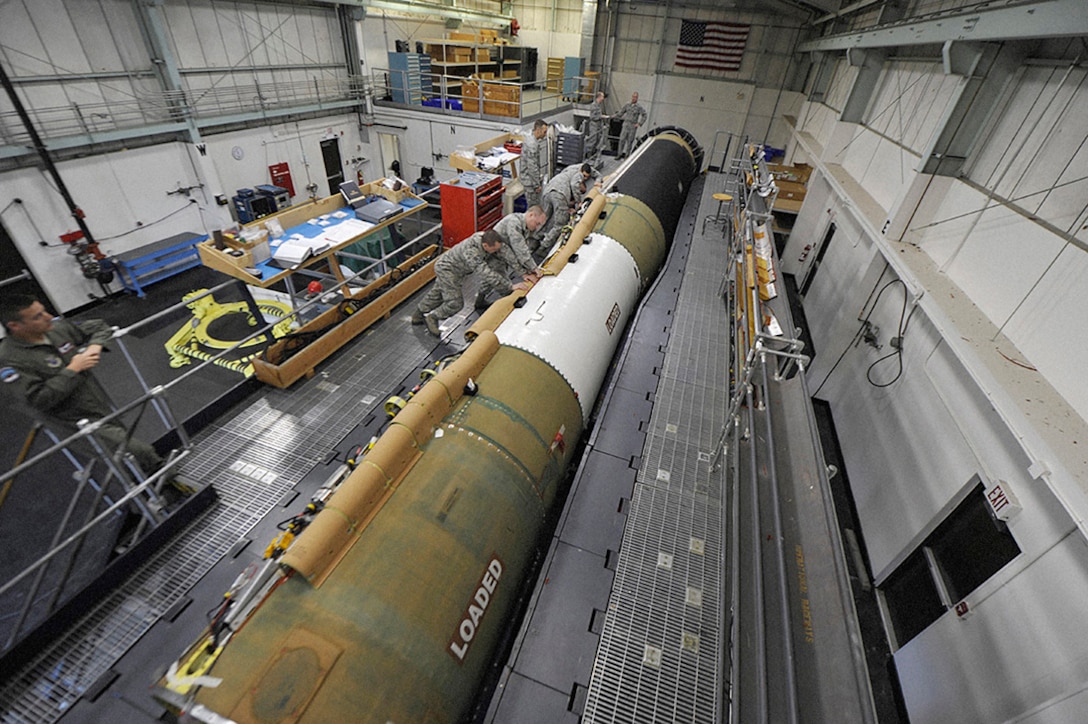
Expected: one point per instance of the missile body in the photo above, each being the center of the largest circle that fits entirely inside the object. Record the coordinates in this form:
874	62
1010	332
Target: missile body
395	599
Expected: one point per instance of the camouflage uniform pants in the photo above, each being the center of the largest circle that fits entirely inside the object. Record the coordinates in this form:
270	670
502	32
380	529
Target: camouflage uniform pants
558	210
445	297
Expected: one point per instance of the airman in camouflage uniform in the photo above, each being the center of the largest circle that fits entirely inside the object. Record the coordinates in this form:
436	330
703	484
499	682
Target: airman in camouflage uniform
564	191
595	133
445	297
533	166
515	258
633	115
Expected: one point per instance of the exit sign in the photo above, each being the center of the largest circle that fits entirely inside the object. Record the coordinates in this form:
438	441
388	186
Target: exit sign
1002	501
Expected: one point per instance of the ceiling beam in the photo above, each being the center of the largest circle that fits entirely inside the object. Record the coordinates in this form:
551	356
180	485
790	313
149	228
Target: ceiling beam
424	9
997	21
848	10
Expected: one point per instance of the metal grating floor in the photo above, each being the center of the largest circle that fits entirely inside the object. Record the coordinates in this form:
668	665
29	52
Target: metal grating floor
286	432
659	657
660	652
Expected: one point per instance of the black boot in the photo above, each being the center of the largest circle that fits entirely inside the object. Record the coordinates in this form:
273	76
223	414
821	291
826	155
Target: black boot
481	302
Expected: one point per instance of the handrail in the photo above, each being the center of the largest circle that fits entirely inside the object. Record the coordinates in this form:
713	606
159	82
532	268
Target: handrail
780	558
440	88
156	396
754	352
160	390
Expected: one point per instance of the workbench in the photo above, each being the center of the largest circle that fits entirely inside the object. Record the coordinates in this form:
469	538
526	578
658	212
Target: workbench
311	220
479	161
138	268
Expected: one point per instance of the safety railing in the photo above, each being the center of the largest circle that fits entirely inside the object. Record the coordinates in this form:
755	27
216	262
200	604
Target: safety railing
765	684
108	482
476	97
152	109
147	112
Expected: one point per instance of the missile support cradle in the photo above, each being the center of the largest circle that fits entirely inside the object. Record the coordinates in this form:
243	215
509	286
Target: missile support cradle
393	593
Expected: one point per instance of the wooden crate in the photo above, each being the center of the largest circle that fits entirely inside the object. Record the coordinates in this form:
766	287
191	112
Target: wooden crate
502	100
588	92
437	51
470	89
499	100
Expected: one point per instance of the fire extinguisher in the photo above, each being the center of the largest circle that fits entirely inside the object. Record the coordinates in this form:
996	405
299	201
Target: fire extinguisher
359	177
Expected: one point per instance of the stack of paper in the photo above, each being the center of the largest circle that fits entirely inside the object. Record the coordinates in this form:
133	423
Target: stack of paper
298	249
293	252
346	231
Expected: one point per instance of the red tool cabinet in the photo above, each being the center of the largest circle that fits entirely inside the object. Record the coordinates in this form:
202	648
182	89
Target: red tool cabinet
471	202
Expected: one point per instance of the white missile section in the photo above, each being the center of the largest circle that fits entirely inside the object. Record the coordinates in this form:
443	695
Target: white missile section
564	316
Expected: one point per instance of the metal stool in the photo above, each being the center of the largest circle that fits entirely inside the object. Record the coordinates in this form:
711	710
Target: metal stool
718	217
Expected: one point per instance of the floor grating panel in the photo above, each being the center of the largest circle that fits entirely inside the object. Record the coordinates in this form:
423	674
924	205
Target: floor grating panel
285	432
659	657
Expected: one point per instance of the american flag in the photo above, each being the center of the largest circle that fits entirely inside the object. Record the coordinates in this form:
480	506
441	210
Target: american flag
711	45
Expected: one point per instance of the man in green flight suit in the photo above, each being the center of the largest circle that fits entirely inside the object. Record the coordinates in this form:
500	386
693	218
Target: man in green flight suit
50	360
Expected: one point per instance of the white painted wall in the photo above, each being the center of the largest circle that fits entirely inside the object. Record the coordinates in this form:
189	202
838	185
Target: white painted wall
127	206
126	200
911	447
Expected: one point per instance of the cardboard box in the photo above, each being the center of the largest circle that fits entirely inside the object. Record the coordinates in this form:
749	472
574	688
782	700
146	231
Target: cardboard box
797	173
790	190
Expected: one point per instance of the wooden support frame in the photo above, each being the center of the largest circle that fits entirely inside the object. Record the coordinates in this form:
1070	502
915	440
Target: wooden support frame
236	266
271	368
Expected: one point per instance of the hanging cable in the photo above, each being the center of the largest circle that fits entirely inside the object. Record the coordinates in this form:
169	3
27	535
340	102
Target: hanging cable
857	335
904	321
851	343
901	330
148	224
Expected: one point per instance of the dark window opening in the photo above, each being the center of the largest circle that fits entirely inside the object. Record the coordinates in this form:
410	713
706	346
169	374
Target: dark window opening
912	598
810	274
972	545
965	550
334	169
